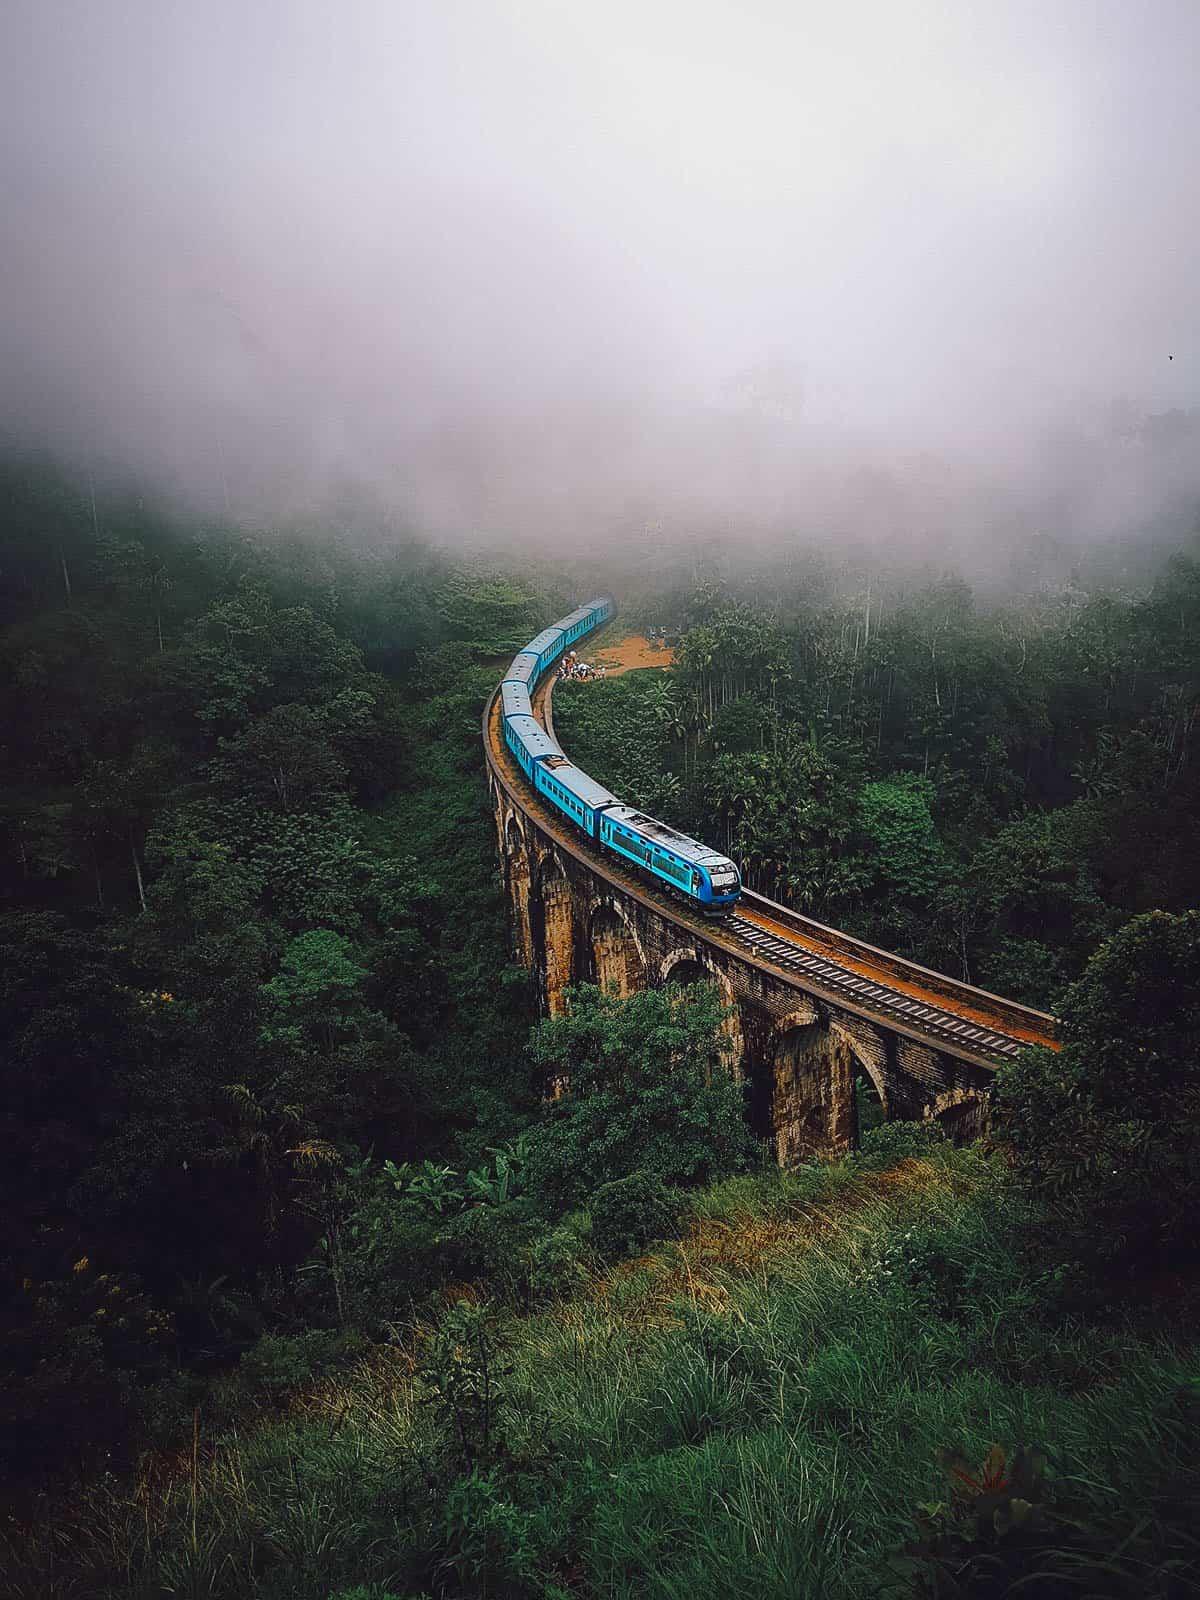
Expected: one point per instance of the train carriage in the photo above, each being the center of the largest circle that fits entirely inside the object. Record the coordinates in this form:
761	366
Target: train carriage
531	744
704	876
514	699
576	795
588	616
546	647
524	669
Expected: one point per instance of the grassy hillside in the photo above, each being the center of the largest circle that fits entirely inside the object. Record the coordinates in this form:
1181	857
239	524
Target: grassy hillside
757	1408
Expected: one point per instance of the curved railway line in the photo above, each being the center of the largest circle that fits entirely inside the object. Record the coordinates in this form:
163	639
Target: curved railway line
927	1006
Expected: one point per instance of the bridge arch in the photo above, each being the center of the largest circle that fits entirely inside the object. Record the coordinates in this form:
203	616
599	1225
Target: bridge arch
865	1067
812	1064
617	957
686	964
962	1113
552	928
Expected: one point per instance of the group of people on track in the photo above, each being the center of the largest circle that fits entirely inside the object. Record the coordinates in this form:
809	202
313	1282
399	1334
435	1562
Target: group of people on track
570	666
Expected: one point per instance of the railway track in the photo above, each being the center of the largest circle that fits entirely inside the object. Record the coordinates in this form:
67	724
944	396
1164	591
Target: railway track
928	1006
931	1019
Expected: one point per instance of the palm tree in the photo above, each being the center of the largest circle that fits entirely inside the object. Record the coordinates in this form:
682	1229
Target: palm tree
158	582
253	1133
324	1196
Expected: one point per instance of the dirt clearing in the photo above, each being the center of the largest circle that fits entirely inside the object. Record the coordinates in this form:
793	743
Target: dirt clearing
627	654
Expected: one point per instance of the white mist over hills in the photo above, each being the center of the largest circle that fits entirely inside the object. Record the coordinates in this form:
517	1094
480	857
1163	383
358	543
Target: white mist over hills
514	272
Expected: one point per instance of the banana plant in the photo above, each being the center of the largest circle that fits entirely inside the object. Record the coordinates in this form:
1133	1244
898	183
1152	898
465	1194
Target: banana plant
434	1186
506	1180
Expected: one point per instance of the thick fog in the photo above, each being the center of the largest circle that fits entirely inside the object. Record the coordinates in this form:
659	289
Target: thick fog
916	274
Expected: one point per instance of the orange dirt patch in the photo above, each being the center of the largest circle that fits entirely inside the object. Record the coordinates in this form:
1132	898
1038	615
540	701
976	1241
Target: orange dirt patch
628	654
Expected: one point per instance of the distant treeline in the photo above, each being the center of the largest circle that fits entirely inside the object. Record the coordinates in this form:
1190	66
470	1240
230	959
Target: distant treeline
991	790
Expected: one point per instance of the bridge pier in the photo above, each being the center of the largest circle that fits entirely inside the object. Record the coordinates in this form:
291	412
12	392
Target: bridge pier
812	1089
553	926
515	857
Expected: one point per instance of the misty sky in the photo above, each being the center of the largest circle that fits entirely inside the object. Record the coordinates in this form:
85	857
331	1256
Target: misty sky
508	268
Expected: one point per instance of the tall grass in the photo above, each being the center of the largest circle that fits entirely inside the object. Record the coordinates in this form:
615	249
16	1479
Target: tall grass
756	1410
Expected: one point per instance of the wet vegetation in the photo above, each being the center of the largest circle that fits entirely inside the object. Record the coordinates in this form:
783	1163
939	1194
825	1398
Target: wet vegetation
307	1289
990	789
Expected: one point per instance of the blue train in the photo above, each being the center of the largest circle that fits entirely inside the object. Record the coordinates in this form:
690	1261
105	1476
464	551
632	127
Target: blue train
703	876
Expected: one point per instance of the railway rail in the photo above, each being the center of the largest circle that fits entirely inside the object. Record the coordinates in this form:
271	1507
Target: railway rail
928	1006
932	1020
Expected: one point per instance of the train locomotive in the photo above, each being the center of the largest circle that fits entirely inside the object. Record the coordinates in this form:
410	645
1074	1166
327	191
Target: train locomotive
700	875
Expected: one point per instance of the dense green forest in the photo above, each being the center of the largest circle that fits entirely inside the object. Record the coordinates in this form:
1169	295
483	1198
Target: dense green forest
307	1288
989	789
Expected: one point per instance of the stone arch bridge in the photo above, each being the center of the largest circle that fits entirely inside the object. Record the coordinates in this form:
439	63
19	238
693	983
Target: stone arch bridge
811	1008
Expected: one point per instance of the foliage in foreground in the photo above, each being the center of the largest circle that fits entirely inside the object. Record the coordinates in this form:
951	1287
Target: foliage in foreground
1107	1129
766	1406
644	1086
224	977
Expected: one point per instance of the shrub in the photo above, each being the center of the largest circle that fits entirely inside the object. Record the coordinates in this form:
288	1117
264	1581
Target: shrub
648	1089
961	1269
413	1230
555	1264
487	1241
77	1351
490	1544
898	1141
464	1378
280	1364
627	1214
1105	1129
1008	1528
